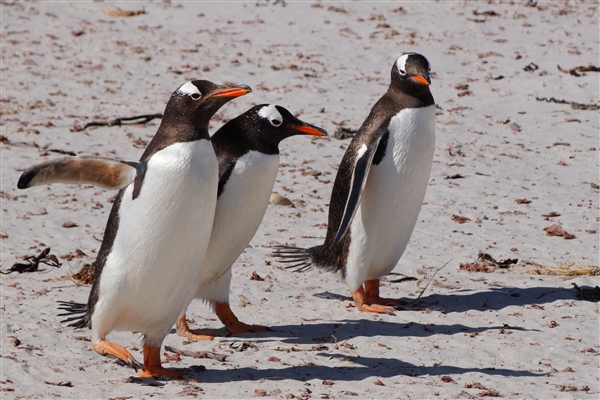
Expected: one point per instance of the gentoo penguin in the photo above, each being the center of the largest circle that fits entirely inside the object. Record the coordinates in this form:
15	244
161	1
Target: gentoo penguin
247	148
158	229
379	188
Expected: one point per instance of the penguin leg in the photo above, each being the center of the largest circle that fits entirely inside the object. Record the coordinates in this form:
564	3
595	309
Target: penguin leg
184	330
153	367
372	292
232	323
109	349
363	304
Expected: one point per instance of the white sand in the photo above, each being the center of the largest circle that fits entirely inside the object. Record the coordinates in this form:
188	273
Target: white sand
508	332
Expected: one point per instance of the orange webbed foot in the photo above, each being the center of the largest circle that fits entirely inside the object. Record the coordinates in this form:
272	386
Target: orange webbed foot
109	349
372	293
233	324
377	308
153	367
184	330
386	301
367	299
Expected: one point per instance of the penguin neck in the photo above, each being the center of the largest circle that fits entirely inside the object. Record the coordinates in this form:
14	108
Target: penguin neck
422	98
173	131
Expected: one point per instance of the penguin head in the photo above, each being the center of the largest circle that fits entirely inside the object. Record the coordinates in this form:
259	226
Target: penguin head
410	73
273	123
197	101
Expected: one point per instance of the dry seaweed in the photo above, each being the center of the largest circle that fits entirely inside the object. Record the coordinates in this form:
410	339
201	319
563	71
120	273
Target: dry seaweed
119	121
588	294
574	105
564	269
557	230
487	263
580	70
32	263
85	274
455	176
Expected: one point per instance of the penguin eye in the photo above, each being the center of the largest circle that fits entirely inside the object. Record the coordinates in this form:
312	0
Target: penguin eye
275	122
196	96
402	72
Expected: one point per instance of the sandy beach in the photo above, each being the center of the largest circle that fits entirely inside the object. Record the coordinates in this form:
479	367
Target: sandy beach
515	176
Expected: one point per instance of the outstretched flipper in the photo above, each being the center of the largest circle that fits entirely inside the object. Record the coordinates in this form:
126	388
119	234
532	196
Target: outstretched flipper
99	171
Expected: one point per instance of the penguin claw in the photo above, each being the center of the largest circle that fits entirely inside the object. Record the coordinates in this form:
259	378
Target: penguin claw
136	365
113	350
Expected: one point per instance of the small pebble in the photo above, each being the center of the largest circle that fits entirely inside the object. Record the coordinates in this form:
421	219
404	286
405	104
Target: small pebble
279	200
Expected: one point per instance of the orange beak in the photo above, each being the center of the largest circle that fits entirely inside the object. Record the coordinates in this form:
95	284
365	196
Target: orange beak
235	91
310	130
421	79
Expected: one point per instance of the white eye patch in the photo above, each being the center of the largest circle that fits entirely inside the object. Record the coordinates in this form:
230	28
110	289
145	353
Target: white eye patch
270	113
401	62
190	89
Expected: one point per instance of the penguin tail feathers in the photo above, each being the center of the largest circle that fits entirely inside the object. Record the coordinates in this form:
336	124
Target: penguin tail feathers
78	312
301	260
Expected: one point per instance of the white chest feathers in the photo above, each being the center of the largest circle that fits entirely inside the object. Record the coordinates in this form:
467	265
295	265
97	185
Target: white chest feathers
240	210
412	137
162	237
245	198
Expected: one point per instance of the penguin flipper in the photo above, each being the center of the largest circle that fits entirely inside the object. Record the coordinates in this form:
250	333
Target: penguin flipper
362	165
99	171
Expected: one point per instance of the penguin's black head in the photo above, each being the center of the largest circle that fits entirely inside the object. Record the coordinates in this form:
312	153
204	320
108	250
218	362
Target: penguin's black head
197	101
271	124
410	74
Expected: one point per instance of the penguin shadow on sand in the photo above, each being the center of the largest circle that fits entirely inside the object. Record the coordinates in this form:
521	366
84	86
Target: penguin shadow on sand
331	335
360	368
469	300
329	338
493	299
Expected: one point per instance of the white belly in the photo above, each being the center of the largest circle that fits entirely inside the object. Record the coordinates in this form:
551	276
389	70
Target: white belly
152	271
392	197
240	210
